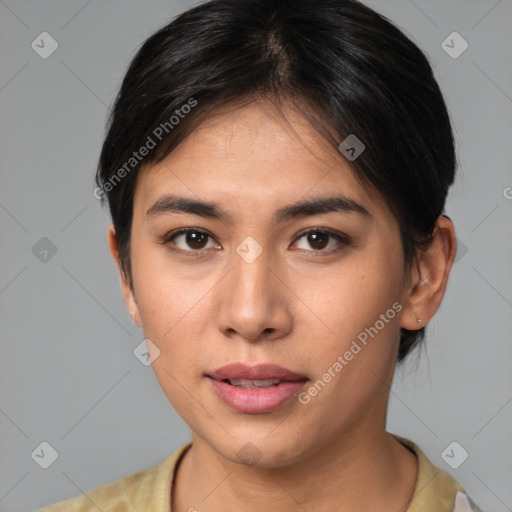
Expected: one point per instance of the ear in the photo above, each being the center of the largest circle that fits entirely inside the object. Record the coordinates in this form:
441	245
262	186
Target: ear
128	293
429	277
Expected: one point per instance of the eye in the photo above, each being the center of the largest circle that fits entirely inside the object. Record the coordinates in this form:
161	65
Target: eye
319	238
193	241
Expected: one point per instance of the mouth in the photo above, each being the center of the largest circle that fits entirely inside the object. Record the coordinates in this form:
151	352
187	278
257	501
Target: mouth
255	389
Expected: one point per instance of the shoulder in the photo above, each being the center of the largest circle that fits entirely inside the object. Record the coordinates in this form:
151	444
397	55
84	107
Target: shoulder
435	489
148	489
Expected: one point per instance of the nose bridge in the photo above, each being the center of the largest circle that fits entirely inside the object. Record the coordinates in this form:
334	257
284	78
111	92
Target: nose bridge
251	300
251	276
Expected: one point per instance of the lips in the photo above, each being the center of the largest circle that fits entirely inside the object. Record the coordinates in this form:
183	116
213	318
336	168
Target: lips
255	389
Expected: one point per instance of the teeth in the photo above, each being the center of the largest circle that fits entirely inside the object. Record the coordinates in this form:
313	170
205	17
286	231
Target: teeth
254	383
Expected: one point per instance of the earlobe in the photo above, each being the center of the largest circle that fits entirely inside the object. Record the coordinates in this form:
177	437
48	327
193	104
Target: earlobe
429	277
128	294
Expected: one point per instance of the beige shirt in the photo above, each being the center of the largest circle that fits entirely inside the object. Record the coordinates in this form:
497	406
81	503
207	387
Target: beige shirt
150	490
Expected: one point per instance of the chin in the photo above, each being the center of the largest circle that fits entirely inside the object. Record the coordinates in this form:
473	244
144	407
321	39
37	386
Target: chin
258	450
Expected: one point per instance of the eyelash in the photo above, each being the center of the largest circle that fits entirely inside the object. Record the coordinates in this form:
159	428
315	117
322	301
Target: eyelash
169	237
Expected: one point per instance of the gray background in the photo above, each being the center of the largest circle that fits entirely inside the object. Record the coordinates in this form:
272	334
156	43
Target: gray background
68	373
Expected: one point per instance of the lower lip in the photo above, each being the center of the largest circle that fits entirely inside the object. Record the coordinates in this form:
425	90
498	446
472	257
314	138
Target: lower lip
256	400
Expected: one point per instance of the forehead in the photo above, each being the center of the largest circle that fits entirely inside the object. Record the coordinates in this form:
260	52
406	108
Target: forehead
250	158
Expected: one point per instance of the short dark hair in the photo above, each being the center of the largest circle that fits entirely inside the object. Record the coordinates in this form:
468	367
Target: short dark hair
347	68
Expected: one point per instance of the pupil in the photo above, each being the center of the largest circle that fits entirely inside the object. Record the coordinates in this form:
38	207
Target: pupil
314	238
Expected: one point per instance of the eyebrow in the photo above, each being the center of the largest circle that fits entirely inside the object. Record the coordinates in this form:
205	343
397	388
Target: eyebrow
314	206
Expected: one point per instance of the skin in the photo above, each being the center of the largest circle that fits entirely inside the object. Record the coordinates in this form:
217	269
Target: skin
294	305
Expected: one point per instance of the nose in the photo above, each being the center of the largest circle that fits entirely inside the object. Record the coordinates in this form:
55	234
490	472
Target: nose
254	301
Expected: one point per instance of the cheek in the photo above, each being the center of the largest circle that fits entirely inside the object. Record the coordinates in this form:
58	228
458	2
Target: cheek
173	316
354	368
361	307
175	310
164	297
354	298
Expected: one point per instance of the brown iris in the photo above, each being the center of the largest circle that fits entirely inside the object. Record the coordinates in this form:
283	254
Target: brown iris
196	240
318	239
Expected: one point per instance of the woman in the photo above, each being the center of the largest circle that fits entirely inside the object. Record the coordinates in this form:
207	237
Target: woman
276	172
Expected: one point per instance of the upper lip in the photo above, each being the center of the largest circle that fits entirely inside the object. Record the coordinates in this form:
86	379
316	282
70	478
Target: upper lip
255	372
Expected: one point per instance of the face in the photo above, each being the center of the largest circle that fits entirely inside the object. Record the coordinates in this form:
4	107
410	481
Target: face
257	281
